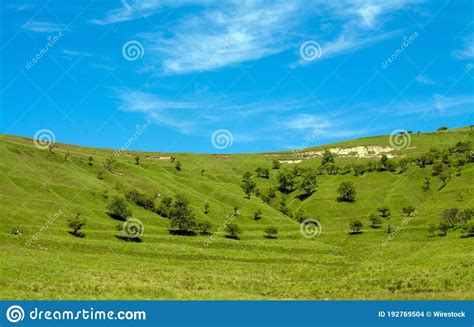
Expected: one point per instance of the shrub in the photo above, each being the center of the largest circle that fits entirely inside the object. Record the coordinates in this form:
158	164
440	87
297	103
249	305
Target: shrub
262	172
119	209
286	182
206	207
442	128
375	221
426	184
308	183
257	214
355	226
450	216
469	229
178	165
384	212
164	207
109	164
408	211
271	232
443	228
137	160
182	217
90	161
142	200
203	227
346	192
432	229
328	157
248	184
76	224
233	231
466	215
276	164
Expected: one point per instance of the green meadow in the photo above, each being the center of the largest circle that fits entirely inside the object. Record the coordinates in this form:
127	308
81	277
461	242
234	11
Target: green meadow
402	257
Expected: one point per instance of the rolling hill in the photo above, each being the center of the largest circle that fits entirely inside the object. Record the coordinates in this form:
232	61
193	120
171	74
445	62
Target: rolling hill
41	188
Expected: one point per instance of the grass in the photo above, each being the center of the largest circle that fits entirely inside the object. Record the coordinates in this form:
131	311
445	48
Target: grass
40	191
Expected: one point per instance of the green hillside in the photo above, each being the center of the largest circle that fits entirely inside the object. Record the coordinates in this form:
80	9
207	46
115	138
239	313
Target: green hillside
42	188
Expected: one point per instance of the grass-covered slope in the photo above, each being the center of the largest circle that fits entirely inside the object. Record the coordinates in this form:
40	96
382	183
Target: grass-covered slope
41	189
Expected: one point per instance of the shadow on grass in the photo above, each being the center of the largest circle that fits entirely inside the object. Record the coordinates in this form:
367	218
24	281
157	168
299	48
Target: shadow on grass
355	233
111	215
232	237
182	232
129	239
78	234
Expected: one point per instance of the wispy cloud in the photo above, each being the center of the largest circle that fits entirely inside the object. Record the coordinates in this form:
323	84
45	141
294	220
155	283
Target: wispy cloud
436	104
20	6
467	50
424	79
43	27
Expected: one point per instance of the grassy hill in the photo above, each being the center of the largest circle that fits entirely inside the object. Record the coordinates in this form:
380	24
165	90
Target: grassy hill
41	189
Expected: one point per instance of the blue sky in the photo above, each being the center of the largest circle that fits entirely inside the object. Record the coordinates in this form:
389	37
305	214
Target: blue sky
257	76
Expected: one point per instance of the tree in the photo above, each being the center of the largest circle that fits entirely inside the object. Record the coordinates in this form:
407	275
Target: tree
389	229
233	231
286	182
257	214
466	215
164	207
182	217
76	224
450	216
403	164
178	165
119	209
172	159
355	226
346	192
384	162
137	160
308	183
202	172
262	172
236	211
439	168
469	229
375	220
445	176
248	184
271	232
384	212
206	208
203	227
90	161
276	164
109	164
328	157
443	228
408	211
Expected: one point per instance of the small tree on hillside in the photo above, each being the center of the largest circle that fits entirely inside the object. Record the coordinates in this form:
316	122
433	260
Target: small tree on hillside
408	211
248	184
384	212
182	217
346	192
308	183
233	231
164	207
257	214
206	208
178	165
443	228
119	209
426	184
466	215
450	216
137	160
375	220
90	161
286	182
271	232
355	226
432	229
276	164
203	227
76	224
328	157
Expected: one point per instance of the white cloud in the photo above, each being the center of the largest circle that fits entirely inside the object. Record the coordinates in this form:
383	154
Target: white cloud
305	121
43	27
467	51
424	79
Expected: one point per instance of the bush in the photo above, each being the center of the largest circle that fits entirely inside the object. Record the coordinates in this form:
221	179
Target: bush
203	227
375	221
328	157
442	128
142	200
262	172
233	231
346	192
206	207
248	184
286	182
450	216
384	212
164	207
178	165
308	183
408	211
119	209
276	164
76	224
182	217
257	214
271	232
356	226
469	229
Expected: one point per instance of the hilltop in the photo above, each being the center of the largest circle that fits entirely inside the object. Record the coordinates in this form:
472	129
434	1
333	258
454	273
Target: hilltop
402	257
